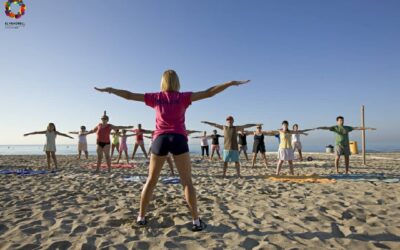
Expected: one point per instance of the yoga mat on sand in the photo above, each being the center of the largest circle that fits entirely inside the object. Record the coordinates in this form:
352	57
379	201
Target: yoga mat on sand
141	179
113	165
300	178
24	172
170	180
365	177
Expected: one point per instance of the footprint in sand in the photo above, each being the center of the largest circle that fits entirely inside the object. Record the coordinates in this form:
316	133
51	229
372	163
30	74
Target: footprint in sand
60	245
78	230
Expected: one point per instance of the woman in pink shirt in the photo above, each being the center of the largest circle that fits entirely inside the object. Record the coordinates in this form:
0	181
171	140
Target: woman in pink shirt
170	136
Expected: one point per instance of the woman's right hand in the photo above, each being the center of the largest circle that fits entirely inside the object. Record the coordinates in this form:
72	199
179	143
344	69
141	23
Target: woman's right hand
237	83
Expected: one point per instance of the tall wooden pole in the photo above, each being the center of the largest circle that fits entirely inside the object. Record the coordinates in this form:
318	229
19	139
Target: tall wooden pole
363	135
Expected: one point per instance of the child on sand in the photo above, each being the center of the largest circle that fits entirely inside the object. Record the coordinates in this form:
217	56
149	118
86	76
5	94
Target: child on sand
123	146
82	143
50	146
342	141
203	144
296	143
115	142
139	132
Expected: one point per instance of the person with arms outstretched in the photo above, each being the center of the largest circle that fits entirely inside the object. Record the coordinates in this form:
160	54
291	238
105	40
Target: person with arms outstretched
103	132
139	132
286	152
342	141
170	136
50	146
82	143
231	147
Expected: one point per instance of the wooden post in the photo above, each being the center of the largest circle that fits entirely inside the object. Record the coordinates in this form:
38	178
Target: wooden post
363	135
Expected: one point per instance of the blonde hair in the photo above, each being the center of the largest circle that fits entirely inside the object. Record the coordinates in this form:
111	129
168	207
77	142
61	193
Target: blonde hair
170	81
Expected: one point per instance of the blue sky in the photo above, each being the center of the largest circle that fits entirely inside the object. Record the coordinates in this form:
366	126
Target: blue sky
309	61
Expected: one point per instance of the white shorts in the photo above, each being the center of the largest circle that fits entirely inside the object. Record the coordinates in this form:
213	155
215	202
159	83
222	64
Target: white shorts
297	145
286	154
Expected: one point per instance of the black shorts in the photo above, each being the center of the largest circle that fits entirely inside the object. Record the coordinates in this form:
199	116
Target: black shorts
175	144
259	148
103	144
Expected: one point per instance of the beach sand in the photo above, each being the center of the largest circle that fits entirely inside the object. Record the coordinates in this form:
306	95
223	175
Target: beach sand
77	209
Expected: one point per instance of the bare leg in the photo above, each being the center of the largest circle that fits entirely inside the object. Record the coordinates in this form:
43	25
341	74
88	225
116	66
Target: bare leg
144	151
237	165
134	150
112	150
119	157
347	163
278	167
224	171
264	156
86	154
126	154
245	155
254	159
212	153
219	156
156	164
48	160
106	151
337	160
99	151
300	155
184	167
53	155
291	167
79	154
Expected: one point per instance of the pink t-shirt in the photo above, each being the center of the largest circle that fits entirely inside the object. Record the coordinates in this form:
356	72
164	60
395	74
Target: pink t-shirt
170	111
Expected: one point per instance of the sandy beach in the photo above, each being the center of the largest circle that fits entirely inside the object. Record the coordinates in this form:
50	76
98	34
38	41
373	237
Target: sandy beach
77	209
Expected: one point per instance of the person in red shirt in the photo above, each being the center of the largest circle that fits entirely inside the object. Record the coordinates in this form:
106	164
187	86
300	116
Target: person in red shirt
103	131
139	132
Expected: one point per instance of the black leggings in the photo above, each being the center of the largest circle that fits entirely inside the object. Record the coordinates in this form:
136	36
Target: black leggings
204	148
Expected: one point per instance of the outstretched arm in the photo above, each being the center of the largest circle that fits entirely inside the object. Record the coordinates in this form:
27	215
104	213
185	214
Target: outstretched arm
120	127
74	133
197	96
271	132
147	131
65	135
123	93
247	125
213	124
363	128
192	131
324	128
90	132
301	132
36	133
148	137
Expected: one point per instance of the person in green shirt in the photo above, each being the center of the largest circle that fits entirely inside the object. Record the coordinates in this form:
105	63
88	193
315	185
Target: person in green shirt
342	141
